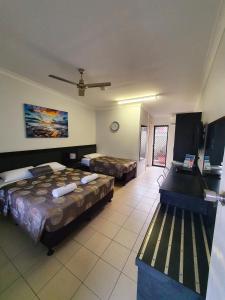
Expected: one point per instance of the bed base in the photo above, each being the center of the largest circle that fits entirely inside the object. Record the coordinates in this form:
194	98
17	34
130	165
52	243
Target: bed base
52	239
128	176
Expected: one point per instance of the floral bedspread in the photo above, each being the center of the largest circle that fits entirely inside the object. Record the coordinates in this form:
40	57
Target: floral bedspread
33	207
112	166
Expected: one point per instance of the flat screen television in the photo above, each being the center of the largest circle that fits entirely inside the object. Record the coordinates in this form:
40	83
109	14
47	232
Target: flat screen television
215	141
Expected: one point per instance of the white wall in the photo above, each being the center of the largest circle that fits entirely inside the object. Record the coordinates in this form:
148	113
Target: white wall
144	117
125	142
212	104
212	101
144	120
15	91
163	120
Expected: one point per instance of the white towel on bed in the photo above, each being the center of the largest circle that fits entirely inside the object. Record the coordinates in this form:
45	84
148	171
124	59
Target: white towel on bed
89	178
63	190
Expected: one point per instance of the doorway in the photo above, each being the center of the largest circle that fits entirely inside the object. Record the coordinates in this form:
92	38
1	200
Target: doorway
160	139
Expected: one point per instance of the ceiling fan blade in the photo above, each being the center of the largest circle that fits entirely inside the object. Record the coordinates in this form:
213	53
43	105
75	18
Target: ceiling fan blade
81	92
100	84
62	79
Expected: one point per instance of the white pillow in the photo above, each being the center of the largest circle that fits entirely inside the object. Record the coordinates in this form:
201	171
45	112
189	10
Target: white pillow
17	174
54	165
93	155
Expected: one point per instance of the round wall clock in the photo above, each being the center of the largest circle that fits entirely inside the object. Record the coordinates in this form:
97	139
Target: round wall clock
114	126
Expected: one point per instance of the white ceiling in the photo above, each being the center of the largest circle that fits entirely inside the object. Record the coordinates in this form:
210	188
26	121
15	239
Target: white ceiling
141	46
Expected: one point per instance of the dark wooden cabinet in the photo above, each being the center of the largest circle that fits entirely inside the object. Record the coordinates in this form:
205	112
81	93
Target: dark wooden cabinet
188	135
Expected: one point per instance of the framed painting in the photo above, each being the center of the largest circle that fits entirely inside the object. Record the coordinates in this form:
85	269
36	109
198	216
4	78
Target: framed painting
42	122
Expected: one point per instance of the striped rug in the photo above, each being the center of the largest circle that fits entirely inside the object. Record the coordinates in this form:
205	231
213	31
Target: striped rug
178	244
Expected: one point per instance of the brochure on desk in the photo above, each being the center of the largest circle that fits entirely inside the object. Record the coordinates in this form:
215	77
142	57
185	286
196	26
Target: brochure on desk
189	161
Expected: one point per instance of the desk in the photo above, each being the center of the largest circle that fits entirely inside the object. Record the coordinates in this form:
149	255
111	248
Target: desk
184	191
211	182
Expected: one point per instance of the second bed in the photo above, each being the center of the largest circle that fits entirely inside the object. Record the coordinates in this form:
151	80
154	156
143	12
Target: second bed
120	168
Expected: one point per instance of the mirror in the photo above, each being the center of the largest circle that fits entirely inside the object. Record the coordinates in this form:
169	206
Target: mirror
214	148
143	142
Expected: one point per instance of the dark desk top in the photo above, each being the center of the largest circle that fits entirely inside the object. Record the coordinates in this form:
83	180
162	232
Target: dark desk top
182	183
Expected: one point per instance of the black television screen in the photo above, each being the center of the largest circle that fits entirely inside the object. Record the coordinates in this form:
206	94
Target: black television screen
215	141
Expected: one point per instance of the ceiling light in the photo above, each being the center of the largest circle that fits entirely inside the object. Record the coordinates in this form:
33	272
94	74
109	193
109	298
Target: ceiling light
138	99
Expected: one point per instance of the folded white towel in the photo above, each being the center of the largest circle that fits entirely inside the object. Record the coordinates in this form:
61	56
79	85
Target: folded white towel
63	190
89	178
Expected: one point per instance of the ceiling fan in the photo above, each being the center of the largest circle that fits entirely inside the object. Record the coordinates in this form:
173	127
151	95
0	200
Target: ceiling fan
81	85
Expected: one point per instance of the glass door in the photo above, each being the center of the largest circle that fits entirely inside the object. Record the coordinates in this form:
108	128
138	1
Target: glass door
160	139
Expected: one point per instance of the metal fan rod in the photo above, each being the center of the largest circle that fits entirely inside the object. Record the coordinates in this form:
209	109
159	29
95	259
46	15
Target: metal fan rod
100	84
62	79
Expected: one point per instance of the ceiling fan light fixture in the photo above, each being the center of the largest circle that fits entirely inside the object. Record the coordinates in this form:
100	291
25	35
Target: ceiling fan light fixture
138	99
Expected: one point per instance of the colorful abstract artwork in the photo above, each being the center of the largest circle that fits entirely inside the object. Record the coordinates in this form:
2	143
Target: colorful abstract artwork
42	122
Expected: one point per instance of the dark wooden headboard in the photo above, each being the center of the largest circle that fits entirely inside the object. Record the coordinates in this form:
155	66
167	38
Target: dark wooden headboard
20	159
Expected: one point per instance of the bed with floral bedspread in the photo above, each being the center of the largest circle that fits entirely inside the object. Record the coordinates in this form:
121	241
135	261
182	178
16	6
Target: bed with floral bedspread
112	166
32	206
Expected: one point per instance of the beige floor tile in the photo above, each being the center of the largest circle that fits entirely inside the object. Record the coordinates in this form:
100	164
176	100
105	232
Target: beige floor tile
117	187
130	268
28	257
125	289
122	208
3	258
16	242
148	202
148	197
84	234
114	217
40	273
8	274
136	192
133	224
97	221
102	279
151	193
126	238
131	202
145	207
66	250
98	243
138	244
19	290
7	230
139	215
61	287
151	213
117	195
128	193
107	228
116	255
144	229
84	293
82	263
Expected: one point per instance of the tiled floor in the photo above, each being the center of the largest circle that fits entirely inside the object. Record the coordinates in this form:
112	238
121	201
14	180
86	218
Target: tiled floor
96	262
